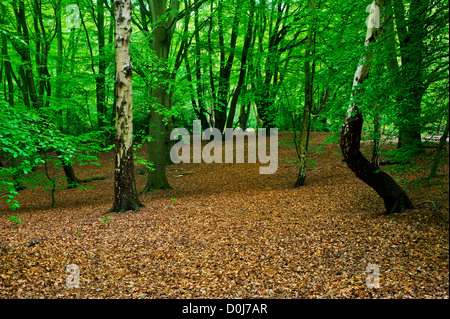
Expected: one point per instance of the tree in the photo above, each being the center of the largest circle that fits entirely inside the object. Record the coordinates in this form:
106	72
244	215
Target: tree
198	75
6	63
303	145
421	61
395	198
164	23
164	16
100	75
125	193
226	65
268	77
439	151
249	36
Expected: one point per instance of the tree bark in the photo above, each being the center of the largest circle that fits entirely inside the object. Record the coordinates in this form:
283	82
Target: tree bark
101	78
30	96
411	34
163	29
9	96
198	76
267	85
243	70
439	151
125	194
395	198
226	64
303	145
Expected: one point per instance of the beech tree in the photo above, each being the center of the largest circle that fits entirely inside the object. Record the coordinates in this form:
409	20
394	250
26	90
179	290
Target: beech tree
395	198
125	193
229	63
164	19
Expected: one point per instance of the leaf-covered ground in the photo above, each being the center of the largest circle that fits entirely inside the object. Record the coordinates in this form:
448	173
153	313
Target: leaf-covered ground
225	231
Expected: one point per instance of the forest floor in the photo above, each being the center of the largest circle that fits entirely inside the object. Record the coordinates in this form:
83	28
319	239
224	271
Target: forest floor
225	231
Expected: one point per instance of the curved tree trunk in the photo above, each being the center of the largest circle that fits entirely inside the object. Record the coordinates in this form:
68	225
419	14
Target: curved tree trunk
395	198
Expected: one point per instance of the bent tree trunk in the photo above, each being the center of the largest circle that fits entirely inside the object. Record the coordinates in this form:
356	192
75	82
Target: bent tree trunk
125	194
395	198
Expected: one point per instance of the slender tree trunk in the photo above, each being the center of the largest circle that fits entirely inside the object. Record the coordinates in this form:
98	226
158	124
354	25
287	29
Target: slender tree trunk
439	151
125	194
198	76
30	95
72	180
303	144
210	66
243	70
101	77
43	45
395	198
244	112
267	87
9	95
376	139
226	64
197	104
59	68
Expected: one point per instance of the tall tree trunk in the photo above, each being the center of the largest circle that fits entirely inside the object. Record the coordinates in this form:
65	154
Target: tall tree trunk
395	198
30	95
9	95
198	76
125	193
59	68
101	77
411	34
197	103
303	144
243	70
43	45
268	84
226	64
163	30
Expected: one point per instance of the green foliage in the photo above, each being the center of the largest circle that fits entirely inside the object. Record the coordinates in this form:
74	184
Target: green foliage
107	219
29	142
15	221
